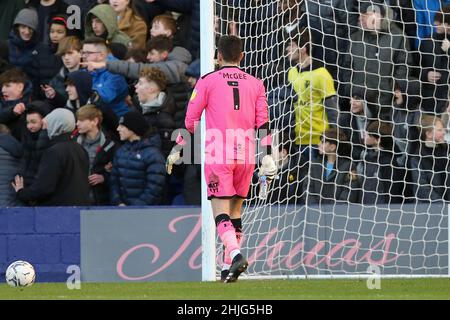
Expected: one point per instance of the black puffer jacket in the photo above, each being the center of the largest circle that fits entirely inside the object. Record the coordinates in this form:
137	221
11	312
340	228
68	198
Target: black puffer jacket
430	168
34	145
162	119
139	173
44	66
181	93
339	186
10	153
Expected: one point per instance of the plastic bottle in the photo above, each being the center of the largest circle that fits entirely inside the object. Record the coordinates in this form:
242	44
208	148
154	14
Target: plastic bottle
263	187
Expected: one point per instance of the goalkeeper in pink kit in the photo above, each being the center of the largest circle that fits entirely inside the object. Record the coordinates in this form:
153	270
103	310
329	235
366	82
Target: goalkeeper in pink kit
236	106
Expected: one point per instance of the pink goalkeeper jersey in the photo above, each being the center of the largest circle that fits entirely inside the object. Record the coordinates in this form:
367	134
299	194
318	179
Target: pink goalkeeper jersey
236	105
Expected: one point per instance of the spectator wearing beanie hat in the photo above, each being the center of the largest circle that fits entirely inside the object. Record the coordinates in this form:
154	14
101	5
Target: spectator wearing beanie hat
138	173
23	39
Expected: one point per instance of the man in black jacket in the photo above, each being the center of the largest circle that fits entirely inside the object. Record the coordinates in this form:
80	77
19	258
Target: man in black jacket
62	178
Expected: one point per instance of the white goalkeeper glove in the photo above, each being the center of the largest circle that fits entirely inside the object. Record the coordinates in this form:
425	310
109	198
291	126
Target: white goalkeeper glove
268	168
173	157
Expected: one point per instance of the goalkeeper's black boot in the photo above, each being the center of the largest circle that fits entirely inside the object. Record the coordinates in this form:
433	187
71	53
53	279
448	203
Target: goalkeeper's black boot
238	266
224	275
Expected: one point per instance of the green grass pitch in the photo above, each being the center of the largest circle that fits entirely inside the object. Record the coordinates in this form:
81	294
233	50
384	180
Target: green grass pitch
244	289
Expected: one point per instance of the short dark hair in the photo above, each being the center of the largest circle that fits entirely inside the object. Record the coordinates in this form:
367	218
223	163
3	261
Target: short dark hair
230	47
160	44
382	131
4	129
14	75
96	41
303	39
138	55
337	137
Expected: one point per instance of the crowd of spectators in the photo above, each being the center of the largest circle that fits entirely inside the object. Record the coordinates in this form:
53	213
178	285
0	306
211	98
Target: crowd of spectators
91	95
358	94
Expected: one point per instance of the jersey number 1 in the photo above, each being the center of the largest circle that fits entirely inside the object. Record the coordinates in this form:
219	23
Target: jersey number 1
235	86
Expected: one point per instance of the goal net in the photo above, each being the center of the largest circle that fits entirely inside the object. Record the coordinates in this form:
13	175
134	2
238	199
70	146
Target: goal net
358	100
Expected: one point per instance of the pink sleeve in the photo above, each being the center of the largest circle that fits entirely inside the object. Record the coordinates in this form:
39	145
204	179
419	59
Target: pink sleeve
196	105
262	116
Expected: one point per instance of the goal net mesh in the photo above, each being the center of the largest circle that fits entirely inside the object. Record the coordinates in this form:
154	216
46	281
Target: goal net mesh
358	116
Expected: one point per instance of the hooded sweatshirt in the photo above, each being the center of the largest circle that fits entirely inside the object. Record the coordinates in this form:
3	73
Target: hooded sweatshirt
60	121
20	51
83	83
108	16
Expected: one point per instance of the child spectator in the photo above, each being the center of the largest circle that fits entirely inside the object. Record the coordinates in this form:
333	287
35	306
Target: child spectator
69	49
331	176
101	21
138	172
16	91
430	166
35	140
8	11
354	123
80	93
100	150
23	39
130	23
10	153
47	9
78	87
46	63
163	25
157	107
380	177
136	55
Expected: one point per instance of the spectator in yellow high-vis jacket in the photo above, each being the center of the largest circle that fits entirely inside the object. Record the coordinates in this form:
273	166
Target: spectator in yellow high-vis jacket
316	106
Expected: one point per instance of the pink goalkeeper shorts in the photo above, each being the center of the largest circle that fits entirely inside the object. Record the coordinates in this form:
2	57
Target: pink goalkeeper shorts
228	180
